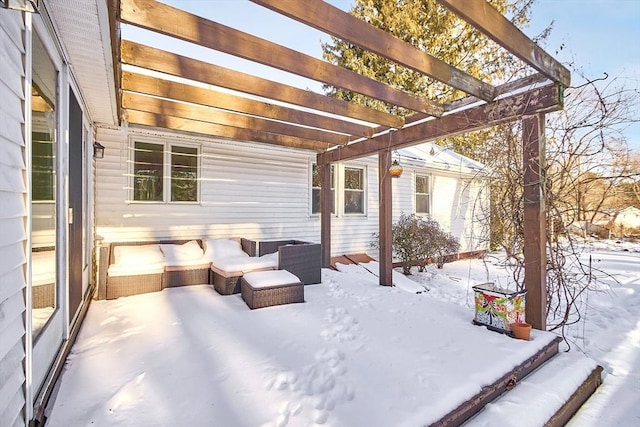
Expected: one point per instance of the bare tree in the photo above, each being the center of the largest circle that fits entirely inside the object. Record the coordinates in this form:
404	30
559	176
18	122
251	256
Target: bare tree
589	168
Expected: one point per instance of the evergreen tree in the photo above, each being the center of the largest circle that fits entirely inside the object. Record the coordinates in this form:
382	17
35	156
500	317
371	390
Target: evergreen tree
434	30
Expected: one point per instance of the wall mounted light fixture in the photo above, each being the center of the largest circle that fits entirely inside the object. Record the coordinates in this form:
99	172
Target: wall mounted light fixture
23	5
98	150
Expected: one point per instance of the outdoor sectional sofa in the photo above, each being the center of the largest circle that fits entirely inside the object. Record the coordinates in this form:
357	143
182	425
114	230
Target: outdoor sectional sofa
129	268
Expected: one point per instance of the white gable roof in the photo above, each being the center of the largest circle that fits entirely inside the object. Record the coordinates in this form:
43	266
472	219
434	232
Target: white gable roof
433	156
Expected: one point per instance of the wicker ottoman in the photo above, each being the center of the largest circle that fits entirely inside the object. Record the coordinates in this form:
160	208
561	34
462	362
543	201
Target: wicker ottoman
274	287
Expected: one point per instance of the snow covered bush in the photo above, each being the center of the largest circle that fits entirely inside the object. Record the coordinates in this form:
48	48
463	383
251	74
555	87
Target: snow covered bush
418	241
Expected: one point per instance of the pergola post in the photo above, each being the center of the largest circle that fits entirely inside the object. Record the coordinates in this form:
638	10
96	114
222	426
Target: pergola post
325	213
535	260
385	219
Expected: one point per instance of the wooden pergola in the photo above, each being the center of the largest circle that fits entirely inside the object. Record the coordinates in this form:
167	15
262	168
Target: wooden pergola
275	113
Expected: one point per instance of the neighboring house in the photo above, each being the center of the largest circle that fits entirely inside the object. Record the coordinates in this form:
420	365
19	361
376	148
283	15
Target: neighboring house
620	222
59	99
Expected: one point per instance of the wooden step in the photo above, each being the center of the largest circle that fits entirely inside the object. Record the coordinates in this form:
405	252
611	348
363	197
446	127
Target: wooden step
550	396
489	393
350	259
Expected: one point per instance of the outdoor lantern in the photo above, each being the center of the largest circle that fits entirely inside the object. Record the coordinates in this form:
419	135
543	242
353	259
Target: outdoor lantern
98	150
24	5
395	170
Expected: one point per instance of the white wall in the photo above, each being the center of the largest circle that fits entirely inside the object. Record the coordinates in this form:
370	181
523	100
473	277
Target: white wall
253	190
13	220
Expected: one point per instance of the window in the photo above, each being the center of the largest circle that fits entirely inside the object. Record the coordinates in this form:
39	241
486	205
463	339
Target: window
315	190
422	195
150	170
354	190
184	174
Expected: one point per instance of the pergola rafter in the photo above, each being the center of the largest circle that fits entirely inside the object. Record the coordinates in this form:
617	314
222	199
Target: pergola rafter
265	111
145	118
131	101
485	18
172	64
334	21
167	20
149	85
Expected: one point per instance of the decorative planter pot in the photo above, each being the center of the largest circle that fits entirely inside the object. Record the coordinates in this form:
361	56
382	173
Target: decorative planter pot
521	330
498	308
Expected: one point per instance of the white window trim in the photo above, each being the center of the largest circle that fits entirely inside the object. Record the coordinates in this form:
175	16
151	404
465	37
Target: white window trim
166	169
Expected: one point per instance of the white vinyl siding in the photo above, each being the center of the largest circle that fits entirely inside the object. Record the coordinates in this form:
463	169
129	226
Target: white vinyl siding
13	217
251	190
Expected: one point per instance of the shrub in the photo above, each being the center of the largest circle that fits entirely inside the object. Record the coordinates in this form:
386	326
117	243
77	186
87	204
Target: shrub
417	241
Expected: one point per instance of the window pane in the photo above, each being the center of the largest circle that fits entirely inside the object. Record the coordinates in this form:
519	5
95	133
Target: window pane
184	174
353	179
353	201
315	177
422	203
43	176
147	172
422	184
315	200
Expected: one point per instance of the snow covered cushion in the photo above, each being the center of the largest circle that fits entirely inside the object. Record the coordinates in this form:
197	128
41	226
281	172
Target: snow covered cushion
245	264
136	255
223	248
189	253
266	279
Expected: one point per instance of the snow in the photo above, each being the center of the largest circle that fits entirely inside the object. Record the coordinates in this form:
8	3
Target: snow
353	354
542	393
267	279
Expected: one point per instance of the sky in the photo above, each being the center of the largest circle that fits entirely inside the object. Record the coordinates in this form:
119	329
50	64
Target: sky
600	36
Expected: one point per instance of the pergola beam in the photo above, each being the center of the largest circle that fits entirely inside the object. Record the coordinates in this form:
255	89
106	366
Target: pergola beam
149	85
385	229
173	22
534	224
546	99
154	105
250	135
492	23
326	199
329	19
192	69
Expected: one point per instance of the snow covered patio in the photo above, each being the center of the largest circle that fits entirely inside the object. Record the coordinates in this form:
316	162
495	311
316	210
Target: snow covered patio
354	354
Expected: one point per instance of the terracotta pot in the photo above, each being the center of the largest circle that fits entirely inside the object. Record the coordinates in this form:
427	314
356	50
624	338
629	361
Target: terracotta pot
521	330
